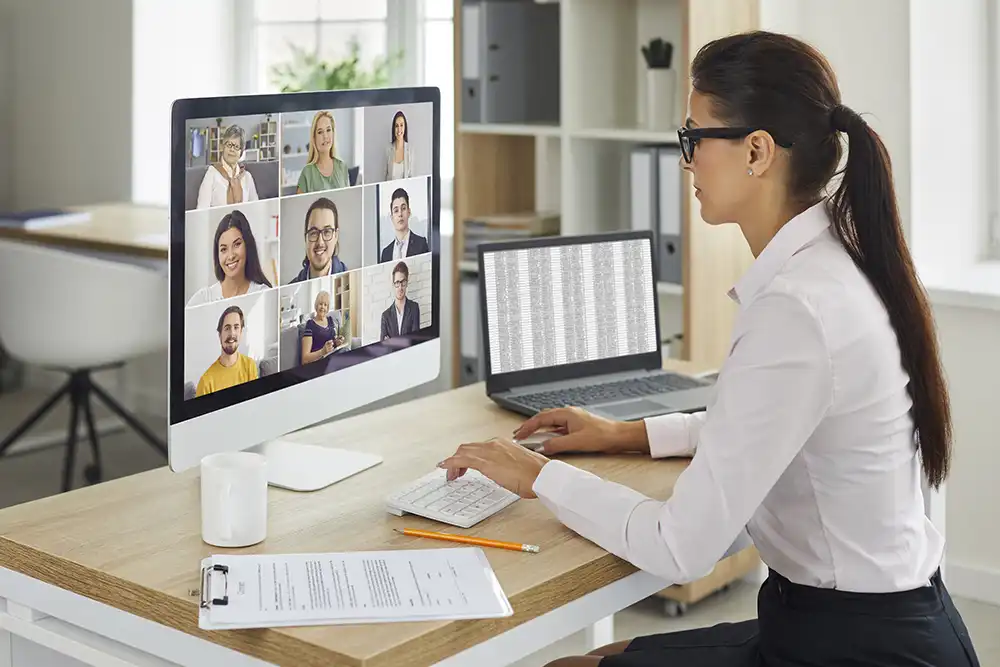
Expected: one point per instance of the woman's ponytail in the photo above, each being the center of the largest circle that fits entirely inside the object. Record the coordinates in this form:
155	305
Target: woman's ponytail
866	219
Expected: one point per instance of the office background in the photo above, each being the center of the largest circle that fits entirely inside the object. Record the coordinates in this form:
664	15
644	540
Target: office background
907	64
377	293
199	240
293	225
378	130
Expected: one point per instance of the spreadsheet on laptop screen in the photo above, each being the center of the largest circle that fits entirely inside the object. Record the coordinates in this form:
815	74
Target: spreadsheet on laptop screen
565	304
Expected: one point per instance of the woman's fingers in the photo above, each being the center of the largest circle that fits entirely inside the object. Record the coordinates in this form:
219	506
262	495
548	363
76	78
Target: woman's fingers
556	418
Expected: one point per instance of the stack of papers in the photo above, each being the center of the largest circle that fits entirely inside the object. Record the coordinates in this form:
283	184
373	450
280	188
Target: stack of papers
344	588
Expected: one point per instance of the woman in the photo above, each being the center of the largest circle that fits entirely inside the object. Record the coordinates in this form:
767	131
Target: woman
228	181
319	337
398	155
237	264
829	408
324	171
322	237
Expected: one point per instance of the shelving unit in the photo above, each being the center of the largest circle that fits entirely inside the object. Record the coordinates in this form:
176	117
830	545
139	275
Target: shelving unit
579	168
345	300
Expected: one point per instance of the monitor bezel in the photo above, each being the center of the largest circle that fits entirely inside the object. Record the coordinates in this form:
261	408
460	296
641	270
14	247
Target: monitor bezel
180	410
501	382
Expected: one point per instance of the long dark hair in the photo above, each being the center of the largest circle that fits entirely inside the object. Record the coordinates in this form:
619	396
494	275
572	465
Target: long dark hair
786	87
251	268
406	128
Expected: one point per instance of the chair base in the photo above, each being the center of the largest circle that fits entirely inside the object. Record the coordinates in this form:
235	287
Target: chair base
80	387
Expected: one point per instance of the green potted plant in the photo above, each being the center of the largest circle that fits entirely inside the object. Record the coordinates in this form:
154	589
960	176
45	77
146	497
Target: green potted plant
306	71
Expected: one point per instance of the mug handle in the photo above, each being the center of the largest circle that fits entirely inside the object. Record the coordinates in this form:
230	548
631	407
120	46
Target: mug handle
226	510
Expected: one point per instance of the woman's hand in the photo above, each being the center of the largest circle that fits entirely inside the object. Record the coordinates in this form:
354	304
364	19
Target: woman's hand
513	467
581	431
338	341
328	347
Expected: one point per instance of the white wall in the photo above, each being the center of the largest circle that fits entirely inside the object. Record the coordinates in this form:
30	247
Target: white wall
69	128
868	46
182	48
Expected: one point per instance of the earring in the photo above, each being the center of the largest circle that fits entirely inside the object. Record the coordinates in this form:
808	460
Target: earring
749	172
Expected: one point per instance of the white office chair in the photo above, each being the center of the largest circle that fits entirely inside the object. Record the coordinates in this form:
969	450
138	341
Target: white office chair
79	312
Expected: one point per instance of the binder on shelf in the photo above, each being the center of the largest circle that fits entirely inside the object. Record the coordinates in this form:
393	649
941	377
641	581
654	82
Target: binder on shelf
655	182
510	62
470	341
669	238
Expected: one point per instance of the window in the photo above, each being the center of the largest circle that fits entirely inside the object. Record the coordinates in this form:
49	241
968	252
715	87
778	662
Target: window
421	29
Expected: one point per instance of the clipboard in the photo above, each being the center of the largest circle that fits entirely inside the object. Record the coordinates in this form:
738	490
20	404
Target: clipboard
403	586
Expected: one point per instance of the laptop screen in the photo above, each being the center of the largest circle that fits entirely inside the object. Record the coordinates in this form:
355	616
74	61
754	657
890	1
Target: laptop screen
566	303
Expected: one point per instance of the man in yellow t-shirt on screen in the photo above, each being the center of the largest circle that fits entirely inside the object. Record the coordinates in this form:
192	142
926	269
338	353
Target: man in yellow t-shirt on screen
231	368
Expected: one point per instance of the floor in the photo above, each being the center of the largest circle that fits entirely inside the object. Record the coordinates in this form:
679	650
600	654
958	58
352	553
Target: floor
37	473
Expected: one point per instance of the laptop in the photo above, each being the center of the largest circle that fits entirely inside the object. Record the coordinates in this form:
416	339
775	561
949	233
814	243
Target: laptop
574	321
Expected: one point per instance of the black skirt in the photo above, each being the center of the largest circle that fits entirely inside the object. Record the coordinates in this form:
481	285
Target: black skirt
802	626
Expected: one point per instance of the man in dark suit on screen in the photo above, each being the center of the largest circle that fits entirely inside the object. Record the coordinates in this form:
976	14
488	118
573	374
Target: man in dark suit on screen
406	243
403	315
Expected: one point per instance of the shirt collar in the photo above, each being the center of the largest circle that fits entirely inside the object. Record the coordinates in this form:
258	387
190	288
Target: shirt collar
404	239
792	237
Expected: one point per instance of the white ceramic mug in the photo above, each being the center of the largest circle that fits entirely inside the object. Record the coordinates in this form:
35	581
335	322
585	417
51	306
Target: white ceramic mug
233	499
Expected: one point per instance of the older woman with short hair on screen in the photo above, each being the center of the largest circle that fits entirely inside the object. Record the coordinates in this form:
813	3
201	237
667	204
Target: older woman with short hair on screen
323	171
398	154
227	181
320	336
236	261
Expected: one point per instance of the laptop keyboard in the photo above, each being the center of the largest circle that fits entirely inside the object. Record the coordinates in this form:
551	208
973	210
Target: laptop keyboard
607	392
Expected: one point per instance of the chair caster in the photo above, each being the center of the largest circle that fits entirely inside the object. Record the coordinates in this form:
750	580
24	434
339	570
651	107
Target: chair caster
673	608
92	474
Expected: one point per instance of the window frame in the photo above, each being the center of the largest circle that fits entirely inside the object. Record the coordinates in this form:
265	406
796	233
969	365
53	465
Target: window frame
991	233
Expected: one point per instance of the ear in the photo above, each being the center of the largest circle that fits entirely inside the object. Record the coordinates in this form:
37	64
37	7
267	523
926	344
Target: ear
761	152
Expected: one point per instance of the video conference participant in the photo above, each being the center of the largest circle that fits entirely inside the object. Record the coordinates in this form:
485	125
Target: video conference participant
321	231
232	367
403	316
320	337
227	181
406	243
399	154
237	263
323	171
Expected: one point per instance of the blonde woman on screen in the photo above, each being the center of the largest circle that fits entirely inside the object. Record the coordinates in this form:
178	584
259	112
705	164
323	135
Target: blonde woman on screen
227	181
399	155
324	171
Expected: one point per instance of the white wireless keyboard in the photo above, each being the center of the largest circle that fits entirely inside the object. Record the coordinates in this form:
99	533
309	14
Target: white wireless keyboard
463	502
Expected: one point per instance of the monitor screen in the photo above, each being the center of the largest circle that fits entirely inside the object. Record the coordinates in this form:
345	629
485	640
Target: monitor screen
550	305
307	242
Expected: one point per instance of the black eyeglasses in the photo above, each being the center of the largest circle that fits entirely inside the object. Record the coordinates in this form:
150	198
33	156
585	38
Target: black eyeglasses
688	137
313	234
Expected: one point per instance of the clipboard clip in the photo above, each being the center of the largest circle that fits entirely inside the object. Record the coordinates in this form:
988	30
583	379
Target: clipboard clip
206	586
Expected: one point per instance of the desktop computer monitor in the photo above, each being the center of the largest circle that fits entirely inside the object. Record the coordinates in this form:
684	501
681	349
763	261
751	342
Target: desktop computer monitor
304	269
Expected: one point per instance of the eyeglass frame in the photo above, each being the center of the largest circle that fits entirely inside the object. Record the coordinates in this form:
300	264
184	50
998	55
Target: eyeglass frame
400	283
321	232
235	145
692	135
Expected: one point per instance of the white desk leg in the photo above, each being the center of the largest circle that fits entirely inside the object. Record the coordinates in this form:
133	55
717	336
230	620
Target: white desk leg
601	633
6	650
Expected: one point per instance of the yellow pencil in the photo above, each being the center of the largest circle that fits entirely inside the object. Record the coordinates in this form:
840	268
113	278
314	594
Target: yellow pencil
478	541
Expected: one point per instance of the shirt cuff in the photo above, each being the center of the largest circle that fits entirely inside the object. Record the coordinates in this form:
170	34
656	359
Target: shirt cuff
670	435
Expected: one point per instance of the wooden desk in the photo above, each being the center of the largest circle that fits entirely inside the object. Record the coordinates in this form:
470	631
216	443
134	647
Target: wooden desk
133	545
121	228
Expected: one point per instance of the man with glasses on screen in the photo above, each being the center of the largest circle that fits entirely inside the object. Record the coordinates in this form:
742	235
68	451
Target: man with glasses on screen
406	243
322	235
403	315
232	367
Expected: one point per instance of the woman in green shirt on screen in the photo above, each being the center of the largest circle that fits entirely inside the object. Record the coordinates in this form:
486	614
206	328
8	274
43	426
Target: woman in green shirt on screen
324	171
